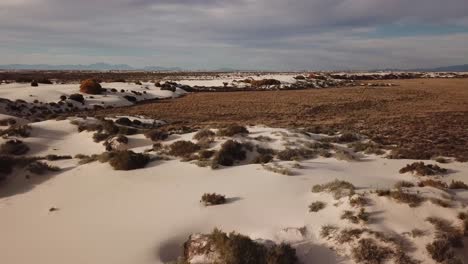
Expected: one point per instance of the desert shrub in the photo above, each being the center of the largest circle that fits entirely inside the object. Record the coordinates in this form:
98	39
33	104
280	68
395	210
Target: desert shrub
383	192
17	131
276	168
368	251
130	98
63	98
342	154
264	82
40	168
52	157
213	199
128	160
124	121
458	185
126	130
316	206
338	188
7	122
349	234
138	83
441	160
34	84
440	202
77	97
156	135
238	249
13	147
446	231
413	200
408	153
205	143
358	200
296	154
404	184
327	230
204	133
206	154
230	152
350	216
183	148
98	136
367	148
90	87
232	130
433	183
262	159
421	169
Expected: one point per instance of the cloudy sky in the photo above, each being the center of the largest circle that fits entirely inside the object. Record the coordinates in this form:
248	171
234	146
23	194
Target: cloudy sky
246	34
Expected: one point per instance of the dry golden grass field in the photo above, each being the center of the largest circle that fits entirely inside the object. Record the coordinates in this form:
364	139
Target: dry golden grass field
422	117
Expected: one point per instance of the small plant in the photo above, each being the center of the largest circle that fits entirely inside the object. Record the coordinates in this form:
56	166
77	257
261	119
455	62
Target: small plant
413	200
349	234
316	206
358	200
369	251
276	168
128	160
13	147
17	131
232	130
230	152
204	133
213	199
34	84
440	202
432	183
77	98
458	185
338	188
327	231
156	135
421	169
345	155
183	148
90	86
296	154
40	168
404	184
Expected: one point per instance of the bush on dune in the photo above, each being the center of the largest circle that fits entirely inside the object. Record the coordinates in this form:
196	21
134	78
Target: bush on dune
40	168
204	133
90	86
213	199
17	131
230	152
183	148
156	135
13	147
421	169
232	130
128	160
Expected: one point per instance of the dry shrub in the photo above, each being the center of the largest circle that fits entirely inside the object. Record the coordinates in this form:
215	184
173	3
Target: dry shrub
98	136
433	183
204	133
404	184
238	249
90	86
17	131
262	159
34	84
349	234
7	122
230	152
367	148
156	135
213	199
413	200
327	230
232	130
77	98
296	154
369	251
276	168
264	82
124	121
458	185
421	169
358	200
338	188
128	160
206	154
409	153
13	147
183	148
341	154
355	219
53	157
447	237
440	202
40	168
316	206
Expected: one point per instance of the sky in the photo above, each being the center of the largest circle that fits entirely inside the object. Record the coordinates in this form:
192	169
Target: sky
240	34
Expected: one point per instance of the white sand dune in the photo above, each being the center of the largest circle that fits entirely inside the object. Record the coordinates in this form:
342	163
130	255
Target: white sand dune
144	216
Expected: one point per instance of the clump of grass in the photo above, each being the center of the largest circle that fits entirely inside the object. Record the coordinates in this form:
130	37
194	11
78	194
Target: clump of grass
338	188
358	200
421	169
447	237
230	152
327	230
213	199
183	148
296	154
128	160
232	130
368	251
404	184
458	185
413	200
276	168
367	147
362	216
433	183
40	168
349	234
14	147
341	154
316	206
204	133
440	202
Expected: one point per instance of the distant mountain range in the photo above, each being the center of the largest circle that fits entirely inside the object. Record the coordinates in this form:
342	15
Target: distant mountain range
91	67
455	68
